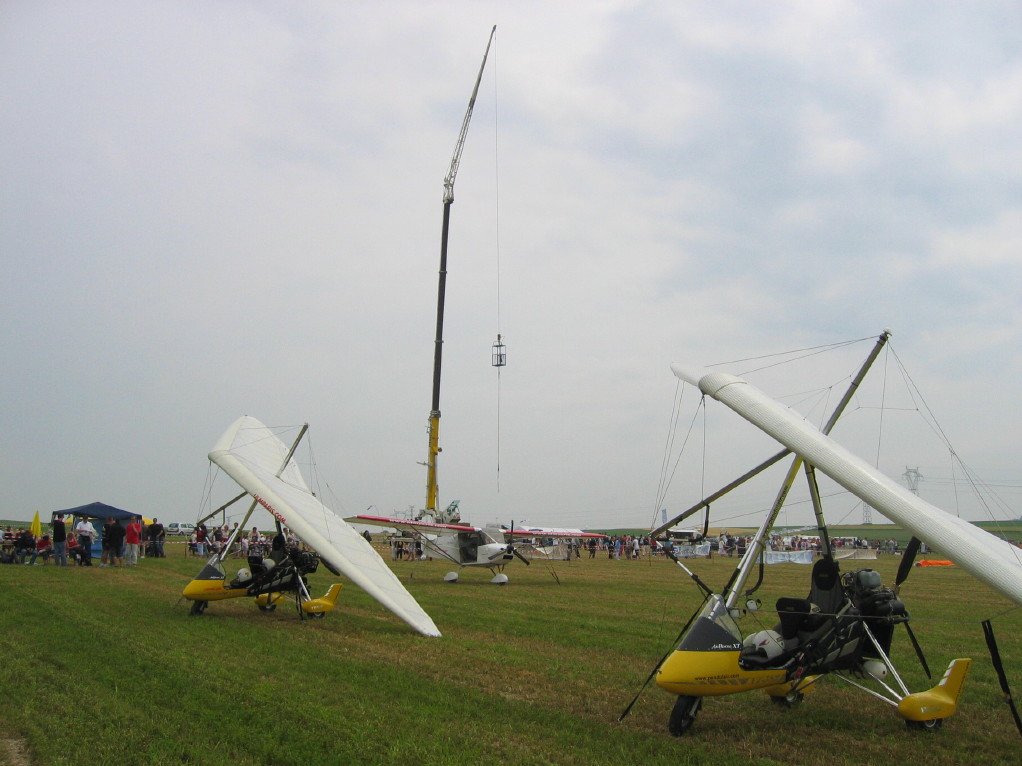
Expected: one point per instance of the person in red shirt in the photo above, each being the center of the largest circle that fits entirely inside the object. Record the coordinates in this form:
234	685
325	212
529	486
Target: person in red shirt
75	552
132	540
44	548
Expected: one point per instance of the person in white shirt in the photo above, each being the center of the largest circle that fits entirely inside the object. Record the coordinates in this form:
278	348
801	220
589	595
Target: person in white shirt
86	534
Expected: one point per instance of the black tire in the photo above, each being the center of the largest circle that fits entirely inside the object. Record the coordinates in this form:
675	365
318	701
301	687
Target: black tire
933	724
198	607
267	607
789	700
684	714
319	615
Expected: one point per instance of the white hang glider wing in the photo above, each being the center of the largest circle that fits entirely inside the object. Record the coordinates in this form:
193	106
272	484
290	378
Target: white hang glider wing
996	562
251	454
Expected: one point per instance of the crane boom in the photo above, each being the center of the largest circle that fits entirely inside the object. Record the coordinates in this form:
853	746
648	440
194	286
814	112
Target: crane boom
456	159
432	486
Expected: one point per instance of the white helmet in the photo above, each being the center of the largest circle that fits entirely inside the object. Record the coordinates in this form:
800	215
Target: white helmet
767	643
244	575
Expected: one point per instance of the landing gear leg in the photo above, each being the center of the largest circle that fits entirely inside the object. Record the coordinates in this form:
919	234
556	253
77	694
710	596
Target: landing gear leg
684	714
198	607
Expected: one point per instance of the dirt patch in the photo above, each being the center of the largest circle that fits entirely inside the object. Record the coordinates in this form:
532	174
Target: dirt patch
15	752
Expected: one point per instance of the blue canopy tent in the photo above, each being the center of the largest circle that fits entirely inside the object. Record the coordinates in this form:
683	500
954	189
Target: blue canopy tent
96	510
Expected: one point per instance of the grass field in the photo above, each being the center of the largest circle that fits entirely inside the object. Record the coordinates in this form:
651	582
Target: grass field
107	667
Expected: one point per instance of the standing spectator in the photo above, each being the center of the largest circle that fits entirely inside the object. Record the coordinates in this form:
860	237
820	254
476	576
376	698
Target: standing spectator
104	542
132	541
157	534
200	541
59	541
117	544
86	534
218	541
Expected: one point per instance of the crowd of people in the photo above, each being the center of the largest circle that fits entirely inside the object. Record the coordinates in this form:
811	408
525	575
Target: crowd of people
205	541
122	543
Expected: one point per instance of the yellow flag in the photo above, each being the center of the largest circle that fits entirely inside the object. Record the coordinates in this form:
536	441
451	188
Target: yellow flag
37	527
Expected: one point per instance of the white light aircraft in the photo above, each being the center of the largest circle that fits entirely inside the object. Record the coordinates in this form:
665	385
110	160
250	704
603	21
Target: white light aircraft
492	547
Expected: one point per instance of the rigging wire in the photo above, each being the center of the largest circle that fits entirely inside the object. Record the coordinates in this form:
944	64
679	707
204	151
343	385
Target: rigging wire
672	430
985	493
665	477
982	491
804	353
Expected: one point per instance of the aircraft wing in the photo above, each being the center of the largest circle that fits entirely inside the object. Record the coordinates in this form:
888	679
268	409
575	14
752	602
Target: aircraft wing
405	525
252	455
996	562
549	532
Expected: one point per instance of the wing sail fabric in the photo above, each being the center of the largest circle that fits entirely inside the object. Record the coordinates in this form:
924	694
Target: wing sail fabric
252	455
994	561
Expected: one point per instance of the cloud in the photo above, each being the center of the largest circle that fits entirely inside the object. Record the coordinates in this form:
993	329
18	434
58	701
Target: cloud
235	208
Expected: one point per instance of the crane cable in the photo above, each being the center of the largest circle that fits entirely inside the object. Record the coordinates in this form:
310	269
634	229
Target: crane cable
496	218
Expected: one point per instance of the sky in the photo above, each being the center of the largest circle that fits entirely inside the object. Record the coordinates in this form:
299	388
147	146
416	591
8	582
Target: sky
218	209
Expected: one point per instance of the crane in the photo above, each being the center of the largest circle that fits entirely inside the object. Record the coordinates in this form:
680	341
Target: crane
434	413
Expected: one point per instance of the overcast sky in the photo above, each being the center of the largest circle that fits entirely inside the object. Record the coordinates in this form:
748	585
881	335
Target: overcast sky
217	209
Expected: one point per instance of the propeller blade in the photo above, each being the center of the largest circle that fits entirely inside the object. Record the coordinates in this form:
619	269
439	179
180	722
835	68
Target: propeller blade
519	555
907	559
919	650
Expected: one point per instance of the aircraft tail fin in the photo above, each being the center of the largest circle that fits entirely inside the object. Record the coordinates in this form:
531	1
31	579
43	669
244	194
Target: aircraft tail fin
942	700
324	603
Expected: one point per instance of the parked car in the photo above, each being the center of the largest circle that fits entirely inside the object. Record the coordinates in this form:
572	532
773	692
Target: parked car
174	528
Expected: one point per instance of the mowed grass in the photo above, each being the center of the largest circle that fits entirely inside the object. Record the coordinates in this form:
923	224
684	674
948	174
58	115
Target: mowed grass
107	667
